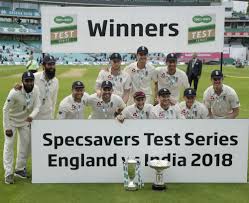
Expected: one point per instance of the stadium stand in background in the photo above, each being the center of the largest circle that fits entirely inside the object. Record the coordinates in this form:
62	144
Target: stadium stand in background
20	32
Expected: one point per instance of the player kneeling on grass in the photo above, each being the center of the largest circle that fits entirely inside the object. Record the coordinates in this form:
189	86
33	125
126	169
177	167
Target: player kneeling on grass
221	100
108	105
164	110
138	110
72	106
18	112
191	108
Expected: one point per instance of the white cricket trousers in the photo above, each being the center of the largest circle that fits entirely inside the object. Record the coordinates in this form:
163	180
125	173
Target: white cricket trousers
23	149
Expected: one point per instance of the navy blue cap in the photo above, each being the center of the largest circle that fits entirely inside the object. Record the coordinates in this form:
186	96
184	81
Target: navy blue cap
216	74
189	92
48	59
77	84
28	75
142	50
171	57
106	83
163	91
115	56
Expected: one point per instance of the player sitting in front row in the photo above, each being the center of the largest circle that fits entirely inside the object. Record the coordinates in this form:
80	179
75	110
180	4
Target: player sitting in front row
72	106
191	108
138	110
108	105
164	110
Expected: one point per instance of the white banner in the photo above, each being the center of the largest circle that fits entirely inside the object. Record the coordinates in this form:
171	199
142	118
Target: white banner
91	151
124	29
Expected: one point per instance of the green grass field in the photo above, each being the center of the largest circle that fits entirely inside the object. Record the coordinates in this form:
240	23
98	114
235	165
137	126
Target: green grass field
24	191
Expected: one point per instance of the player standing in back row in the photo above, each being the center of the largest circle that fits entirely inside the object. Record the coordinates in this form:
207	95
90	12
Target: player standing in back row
142	74
121	81
171	78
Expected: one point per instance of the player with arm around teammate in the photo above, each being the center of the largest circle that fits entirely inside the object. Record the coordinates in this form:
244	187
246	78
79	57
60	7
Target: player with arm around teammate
72	106
121	80
191	108
171	78
20	108
142	74
164	109
138	110
108	105
48	86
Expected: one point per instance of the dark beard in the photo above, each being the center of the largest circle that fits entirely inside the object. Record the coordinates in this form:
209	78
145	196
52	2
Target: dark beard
28	89
50	73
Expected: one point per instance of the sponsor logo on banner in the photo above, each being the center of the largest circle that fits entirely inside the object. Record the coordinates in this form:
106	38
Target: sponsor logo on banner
63	30
202	29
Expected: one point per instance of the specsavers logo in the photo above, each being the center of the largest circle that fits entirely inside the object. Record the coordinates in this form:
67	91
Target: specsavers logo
63	30
202	29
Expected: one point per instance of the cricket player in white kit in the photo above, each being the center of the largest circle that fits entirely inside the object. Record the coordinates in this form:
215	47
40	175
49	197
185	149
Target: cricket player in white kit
164	110
171	78
121	80
138	110
221	100
48	86
142	74
108	105
191	108
73	106
20	108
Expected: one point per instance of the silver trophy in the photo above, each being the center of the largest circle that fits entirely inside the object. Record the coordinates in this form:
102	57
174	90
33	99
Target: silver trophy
131	169
159	166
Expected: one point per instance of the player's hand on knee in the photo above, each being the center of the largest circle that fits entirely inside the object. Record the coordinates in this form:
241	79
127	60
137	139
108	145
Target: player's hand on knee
9	133
17	86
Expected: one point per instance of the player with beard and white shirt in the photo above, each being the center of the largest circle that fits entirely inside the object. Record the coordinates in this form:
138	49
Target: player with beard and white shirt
121	81
20	108
72	106
171	78
138	110
108	105
142	74
48	86
191	108
221	100
164	109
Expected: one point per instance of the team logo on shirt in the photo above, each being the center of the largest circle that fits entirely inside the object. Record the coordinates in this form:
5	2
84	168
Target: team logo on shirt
161	115
135	115
73	107
133	70
109	77
184	112
98	104
212	98
163	75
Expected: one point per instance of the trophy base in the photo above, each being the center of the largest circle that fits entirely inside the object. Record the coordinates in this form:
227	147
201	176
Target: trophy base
131	188
158	187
